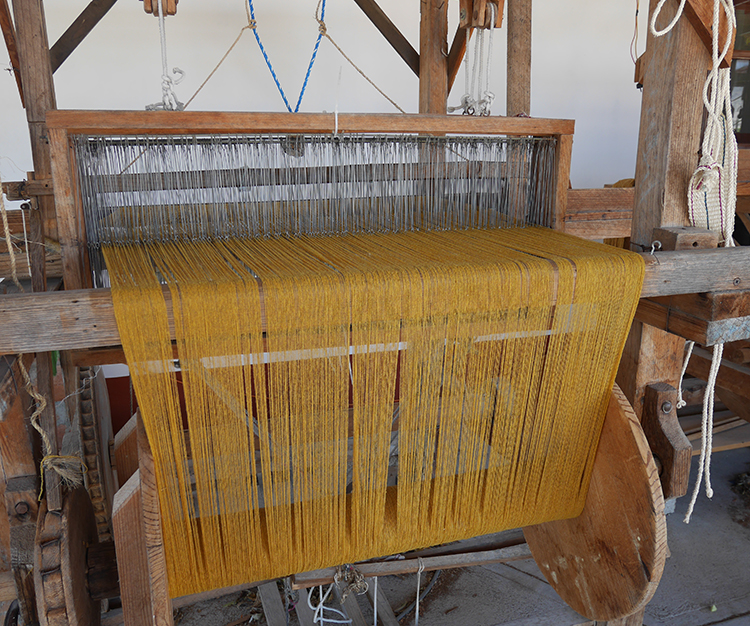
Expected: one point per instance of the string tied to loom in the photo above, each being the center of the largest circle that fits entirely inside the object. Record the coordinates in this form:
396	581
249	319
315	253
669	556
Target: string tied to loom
169	101
355	581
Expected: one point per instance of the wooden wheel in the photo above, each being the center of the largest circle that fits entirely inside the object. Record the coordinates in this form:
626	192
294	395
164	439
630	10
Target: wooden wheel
607	562
62	541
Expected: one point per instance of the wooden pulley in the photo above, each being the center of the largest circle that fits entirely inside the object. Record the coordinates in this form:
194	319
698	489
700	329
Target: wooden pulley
478	14
60	563
607	562
168	7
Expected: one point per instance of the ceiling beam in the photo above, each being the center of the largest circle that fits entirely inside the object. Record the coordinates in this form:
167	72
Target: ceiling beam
392	34
78	30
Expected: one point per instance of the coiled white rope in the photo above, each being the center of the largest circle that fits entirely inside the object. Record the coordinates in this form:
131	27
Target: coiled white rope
320	609
712	196
169	101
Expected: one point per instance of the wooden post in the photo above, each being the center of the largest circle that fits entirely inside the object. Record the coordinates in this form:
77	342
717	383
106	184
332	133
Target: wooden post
670	129
39	92
433	57
519	58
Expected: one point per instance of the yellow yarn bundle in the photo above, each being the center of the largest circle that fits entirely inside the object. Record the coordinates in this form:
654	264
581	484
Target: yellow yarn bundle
356	396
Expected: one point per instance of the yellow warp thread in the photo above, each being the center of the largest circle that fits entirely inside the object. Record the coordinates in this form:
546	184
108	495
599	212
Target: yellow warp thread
357	396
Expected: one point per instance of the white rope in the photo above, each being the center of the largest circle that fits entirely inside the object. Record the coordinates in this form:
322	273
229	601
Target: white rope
657	11
169	101
707	427
375	602
419	580
477	98
689	345
320	609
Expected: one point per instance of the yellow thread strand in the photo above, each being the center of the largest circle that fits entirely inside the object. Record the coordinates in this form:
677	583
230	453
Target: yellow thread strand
336	399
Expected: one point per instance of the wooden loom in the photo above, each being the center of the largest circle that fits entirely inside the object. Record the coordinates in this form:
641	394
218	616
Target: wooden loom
81	320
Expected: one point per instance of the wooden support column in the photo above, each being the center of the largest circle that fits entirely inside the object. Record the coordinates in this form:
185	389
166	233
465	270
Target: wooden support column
519	58
433	57
670	129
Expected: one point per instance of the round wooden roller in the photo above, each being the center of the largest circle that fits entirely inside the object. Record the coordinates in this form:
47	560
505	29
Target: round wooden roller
607	562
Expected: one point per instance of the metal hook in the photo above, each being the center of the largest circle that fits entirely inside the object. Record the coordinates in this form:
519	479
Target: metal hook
655	245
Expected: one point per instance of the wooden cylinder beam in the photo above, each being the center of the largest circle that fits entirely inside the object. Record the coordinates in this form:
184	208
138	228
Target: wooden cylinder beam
519	58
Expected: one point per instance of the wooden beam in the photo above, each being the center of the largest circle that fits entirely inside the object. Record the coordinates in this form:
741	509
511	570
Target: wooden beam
80	319
411	566
519	58
701	15
670	126
456	54
433	57
706	332
78	30
733	377
9	34
391	33
27	189
201	122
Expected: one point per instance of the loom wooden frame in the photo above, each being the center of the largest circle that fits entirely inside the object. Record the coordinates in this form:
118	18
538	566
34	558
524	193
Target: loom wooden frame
63	124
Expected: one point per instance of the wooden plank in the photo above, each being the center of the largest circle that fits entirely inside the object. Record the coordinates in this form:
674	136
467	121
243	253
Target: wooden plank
732	376
729	439
9	34
562	176
126	450
132	562
519	58
273	609
78	30
386	616
79	319
685	237
305	615
350	606
702	331
161	602
624	512
69	225
670	126
433	57
411	566
456	54
200	122
391	33
53	266
599	213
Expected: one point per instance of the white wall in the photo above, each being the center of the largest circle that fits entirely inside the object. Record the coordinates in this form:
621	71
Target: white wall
581	68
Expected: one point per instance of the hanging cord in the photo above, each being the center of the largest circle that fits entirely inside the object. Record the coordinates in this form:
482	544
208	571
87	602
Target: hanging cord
689	345
169	101
634	41
419	581
69	468
323	30
478	98
375	602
